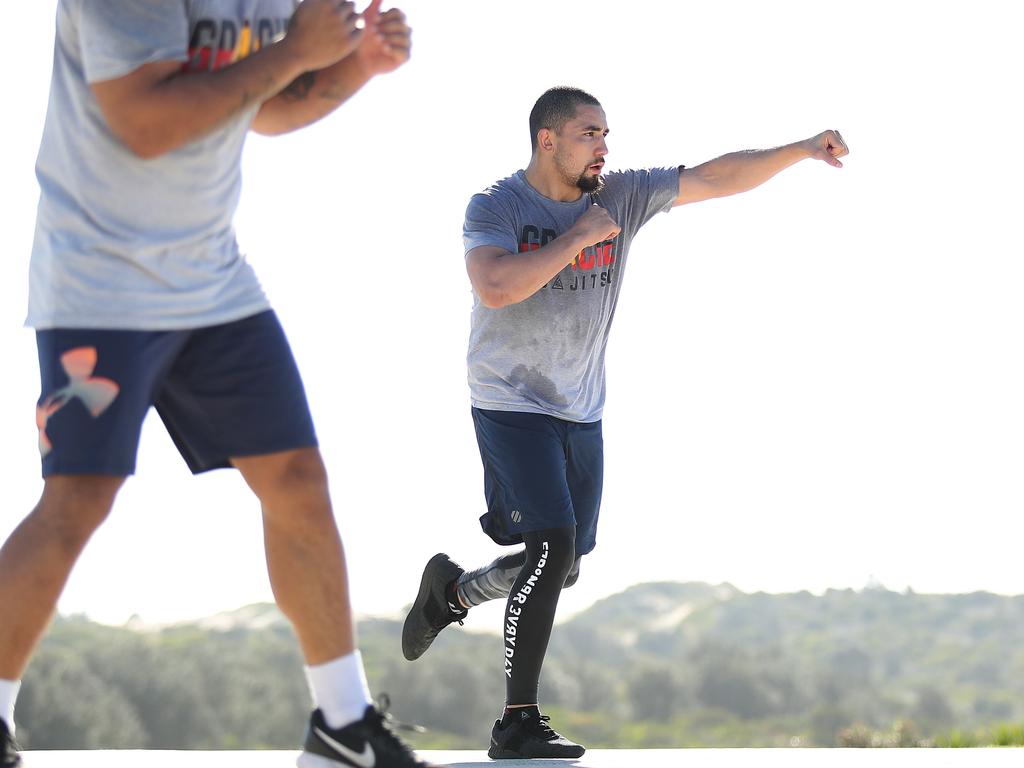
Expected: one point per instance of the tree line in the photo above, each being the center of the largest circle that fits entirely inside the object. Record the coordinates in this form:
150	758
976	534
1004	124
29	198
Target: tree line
660	665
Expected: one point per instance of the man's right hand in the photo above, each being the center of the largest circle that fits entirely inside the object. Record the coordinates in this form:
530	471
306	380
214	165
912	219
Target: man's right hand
323	32
595	226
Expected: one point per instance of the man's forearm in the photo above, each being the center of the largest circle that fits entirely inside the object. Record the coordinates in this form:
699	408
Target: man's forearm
501	279
224	93
310	97
160	108
742	171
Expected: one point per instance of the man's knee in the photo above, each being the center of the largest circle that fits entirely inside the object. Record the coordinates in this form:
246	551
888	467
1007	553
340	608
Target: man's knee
555	547
73	506
288	479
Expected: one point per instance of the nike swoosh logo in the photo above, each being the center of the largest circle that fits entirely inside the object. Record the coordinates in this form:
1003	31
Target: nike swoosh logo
364	759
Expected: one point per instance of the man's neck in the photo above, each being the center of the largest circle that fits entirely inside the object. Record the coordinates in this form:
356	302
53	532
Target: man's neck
549	183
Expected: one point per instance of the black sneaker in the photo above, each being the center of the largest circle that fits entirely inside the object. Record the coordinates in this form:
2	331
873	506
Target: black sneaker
8	749
366	743
432	610
530	737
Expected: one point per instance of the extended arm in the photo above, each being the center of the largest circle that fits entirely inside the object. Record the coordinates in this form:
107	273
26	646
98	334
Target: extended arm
742	171
157	108
501	278
386	45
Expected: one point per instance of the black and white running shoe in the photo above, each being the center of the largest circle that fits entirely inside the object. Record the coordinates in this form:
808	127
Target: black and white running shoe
9	757
432	611
530	737
366	743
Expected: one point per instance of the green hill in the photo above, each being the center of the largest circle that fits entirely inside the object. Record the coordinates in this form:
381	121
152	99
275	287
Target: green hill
659	665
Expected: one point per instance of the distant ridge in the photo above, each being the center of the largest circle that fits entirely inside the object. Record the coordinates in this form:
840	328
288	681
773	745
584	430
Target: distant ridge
654	605
665	664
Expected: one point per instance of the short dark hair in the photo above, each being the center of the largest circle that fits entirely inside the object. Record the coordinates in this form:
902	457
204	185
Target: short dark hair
556	107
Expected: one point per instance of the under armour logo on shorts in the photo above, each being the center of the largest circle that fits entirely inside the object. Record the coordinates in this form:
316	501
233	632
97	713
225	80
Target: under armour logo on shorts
95	392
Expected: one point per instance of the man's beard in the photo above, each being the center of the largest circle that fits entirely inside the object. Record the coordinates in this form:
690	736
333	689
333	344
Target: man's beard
589	183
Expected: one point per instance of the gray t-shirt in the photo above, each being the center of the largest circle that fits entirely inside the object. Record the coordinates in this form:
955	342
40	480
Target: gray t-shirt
127	243
546	354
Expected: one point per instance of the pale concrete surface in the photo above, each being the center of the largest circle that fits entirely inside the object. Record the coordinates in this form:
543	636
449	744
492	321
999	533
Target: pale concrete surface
597	758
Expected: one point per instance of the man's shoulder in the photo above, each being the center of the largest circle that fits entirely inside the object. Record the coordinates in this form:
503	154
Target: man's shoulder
630	180
626	176
510	186
506	193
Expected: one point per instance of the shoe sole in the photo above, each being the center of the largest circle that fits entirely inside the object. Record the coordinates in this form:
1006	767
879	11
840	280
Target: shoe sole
507	754
309	760
408	651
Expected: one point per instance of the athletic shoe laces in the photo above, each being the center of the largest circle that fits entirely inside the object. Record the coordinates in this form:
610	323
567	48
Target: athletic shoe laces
383	724
545	731
441	618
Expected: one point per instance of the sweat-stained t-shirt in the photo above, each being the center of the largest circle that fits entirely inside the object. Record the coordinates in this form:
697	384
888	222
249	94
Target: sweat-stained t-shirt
127	243
546	353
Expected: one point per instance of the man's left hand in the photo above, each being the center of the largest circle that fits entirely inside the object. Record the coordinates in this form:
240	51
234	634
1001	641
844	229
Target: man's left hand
828	146
387	40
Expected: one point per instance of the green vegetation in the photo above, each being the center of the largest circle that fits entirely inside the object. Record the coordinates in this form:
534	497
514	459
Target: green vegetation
1002	735
660	665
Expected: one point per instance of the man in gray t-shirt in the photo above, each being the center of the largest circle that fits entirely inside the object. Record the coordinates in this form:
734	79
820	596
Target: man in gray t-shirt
546	251
140	298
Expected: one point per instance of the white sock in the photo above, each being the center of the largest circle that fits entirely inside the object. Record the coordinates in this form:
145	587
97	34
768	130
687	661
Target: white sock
8	693
340	690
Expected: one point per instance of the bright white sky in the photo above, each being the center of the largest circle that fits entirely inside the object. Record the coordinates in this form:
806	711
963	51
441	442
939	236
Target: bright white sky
809	385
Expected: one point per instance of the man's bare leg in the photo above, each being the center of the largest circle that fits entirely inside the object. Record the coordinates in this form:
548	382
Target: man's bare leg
306	563
305	558
35	563
37	559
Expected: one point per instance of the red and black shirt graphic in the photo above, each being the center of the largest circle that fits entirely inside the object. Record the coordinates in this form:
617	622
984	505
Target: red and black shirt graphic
592	268
215	43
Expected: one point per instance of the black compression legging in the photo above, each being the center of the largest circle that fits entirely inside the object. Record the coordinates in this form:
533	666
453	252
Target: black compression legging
495	580
530	611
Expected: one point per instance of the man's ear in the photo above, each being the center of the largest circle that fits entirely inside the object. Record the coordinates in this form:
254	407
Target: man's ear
545	140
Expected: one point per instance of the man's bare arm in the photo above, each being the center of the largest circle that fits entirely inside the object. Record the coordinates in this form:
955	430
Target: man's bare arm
386	45
742	171
501	278
157	108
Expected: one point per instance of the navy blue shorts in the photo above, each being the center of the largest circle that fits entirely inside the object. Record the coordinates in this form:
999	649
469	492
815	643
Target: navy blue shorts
223	391
540	472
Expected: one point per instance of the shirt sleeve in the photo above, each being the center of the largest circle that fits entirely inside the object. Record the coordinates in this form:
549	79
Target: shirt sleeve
640	194
488	223
118	37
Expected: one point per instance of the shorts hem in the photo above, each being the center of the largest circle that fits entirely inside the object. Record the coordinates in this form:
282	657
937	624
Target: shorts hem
78	470
199	468
190	322
542	527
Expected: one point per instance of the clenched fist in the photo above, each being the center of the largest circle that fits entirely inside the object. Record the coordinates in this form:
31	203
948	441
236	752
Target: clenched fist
387	40
828	146
322	32
595	226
